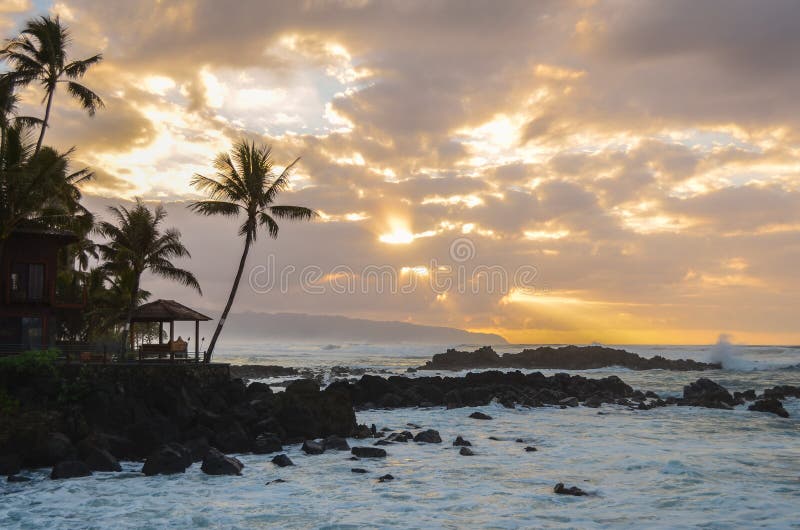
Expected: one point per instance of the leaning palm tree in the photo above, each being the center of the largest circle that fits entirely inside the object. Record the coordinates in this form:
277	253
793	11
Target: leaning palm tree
39	55
246	184
136	244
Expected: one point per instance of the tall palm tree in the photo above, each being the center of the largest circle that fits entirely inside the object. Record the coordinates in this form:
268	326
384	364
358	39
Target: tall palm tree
136	243
246	184
39	54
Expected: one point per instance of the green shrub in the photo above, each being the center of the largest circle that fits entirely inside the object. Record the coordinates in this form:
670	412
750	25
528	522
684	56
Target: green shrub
8	405
29	363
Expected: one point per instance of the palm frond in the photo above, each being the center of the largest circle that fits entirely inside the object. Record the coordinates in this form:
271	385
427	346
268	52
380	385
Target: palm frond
88	100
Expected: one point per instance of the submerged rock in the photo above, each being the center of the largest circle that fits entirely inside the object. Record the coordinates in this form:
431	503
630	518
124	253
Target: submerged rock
282	460
386	478
266	443
530	449
477	415
17	478
70	469
359	470
569	402
99	459
573	490
466	451
461	442
368	452
429	436
167	460
771	405
216	463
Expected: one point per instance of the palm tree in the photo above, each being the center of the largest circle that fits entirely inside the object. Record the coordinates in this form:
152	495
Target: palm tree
37	189
39	54
136	243
246	184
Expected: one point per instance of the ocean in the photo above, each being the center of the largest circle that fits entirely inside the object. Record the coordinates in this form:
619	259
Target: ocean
669	467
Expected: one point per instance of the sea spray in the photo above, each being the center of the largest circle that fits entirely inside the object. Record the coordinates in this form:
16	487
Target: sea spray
728	355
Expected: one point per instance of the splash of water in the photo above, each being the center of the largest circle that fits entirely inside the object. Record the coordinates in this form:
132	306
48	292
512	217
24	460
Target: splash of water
729	356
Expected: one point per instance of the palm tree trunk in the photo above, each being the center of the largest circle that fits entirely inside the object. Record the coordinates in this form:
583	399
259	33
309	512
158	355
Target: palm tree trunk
210	350
132	307
50	93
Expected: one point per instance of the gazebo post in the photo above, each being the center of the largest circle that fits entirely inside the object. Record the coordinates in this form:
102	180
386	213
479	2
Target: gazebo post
160	332
197	341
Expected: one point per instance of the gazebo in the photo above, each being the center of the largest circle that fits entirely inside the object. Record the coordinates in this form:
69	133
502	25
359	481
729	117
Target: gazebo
162	311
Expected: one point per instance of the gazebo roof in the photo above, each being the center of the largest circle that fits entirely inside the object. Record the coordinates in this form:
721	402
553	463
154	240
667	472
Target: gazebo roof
166	311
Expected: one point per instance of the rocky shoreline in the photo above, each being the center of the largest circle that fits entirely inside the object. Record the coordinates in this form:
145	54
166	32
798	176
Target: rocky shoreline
564	358
179	417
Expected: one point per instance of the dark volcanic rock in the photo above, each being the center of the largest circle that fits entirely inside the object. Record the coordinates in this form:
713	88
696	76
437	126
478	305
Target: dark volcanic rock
429	436
477	415
769	405
70	469
359	470
312	447
368	452
385	478
99	459
266	443
282	460
569	402
55	447
706	393
167	460
216	463
10	465
198	448
257	371
530	449
336	443
17	478
573	490
466	451
564	358
461	442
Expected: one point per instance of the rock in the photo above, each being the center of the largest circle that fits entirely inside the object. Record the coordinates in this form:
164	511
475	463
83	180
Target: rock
747	395
411	370
402	437
413	426
232	438
99	459
564	358
358	470
651	395
168	459
17	478
569	402
276	481
706	393
461	442
282	460
70	469
385	478
311	447
384	442
574	490
368	452
336	443
266	443
216	463
594	402
477	415
10	465
198	448
771	405
466	451
530	449
429	436
55	447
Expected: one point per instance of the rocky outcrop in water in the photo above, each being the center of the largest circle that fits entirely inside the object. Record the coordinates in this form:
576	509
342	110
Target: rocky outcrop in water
564	358
477	389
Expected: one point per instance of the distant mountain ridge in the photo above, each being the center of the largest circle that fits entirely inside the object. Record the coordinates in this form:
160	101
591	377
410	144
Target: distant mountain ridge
314	328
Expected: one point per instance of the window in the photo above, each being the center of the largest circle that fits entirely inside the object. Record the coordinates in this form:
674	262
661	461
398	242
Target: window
32	333
35	282
26	283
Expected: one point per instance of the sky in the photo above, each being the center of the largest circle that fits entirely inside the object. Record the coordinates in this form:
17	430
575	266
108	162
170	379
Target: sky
621	172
